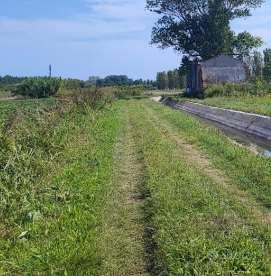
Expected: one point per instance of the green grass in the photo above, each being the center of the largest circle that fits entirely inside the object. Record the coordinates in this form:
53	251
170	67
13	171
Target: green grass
260	104
157	93
57	201
199	229
79	187
4	94
10	107
248	171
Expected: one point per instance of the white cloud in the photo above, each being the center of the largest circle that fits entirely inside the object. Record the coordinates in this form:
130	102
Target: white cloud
64	30
257	24
117	9
109	37
103	20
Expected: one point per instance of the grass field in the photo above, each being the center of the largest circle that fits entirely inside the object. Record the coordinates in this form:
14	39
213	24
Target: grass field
10	107
260	105
135	188
4	94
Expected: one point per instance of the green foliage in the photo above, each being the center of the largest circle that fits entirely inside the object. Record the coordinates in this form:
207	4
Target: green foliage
11	80
38	87
253	88
5	93
267	65
203	26
129	91
72	84
99	97
92	97
162	80
26	145
258	64
244	43
199	227
173	79
114	80
247	103
119	80
55	170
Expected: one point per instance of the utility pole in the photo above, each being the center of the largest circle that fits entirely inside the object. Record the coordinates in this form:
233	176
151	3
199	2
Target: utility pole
50	71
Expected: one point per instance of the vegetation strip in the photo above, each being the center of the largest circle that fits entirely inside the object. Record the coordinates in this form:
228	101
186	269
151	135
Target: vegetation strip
199	230
252	104
195	157
249	172
253	124
123	235
57	227
122	192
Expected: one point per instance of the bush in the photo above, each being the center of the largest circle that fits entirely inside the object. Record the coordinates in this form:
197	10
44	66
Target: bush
93	97
38	87
254	88
129	91
98	97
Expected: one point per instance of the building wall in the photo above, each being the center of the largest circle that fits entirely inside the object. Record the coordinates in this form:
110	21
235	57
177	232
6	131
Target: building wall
220	69
220	74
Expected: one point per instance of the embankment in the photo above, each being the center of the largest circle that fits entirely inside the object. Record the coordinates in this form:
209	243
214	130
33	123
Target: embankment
252	124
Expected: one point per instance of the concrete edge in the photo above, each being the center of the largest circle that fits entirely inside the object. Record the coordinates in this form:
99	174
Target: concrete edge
250	123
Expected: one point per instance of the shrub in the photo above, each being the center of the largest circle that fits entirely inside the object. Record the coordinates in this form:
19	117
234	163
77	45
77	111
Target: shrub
98	97
254	88
129	91
93	97
38	87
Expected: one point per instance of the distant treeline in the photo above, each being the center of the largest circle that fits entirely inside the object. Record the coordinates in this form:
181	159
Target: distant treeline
173	79
38	87
10	80
112	80
119	80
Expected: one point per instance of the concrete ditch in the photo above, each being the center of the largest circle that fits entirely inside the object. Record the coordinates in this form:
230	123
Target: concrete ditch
249	123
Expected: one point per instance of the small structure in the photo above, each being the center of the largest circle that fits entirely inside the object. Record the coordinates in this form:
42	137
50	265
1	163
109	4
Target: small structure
217	70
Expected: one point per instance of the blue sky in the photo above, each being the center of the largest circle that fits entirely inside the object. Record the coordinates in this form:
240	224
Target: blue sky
91	37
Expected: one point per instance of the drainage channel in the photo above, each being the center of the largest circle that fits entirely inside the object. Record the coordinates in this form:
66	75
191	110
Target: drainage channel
254	143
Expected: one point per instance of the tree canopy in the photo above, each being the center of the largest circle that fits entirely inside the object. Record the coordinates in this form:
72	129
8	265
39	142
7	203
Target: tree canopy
200	25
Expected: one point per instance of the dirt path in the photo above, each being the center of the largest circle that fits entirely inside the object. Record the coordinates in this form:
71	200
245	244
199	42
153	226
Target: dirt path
124	228
196	158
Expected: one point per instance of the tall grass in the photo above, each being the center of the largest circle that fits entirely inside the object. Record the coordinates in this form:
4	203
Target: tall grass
257	104
55	164
100	96
29	141
249	171
199	229
252	88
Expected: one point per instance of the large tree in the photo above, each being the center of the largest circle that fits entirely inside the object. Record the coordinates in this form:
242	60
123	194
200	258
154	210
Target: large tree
199	25
244	43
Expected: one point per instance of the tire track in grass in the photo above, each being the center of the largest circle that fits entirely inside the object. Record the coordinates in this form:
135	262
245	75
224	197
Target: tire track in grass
124	229
196	158
200	228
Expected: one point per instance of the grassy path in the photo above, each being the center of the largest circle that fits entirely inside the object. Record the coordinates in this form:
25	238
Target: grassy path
196	158
123	235
201	227
69	198
134	189
247	171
